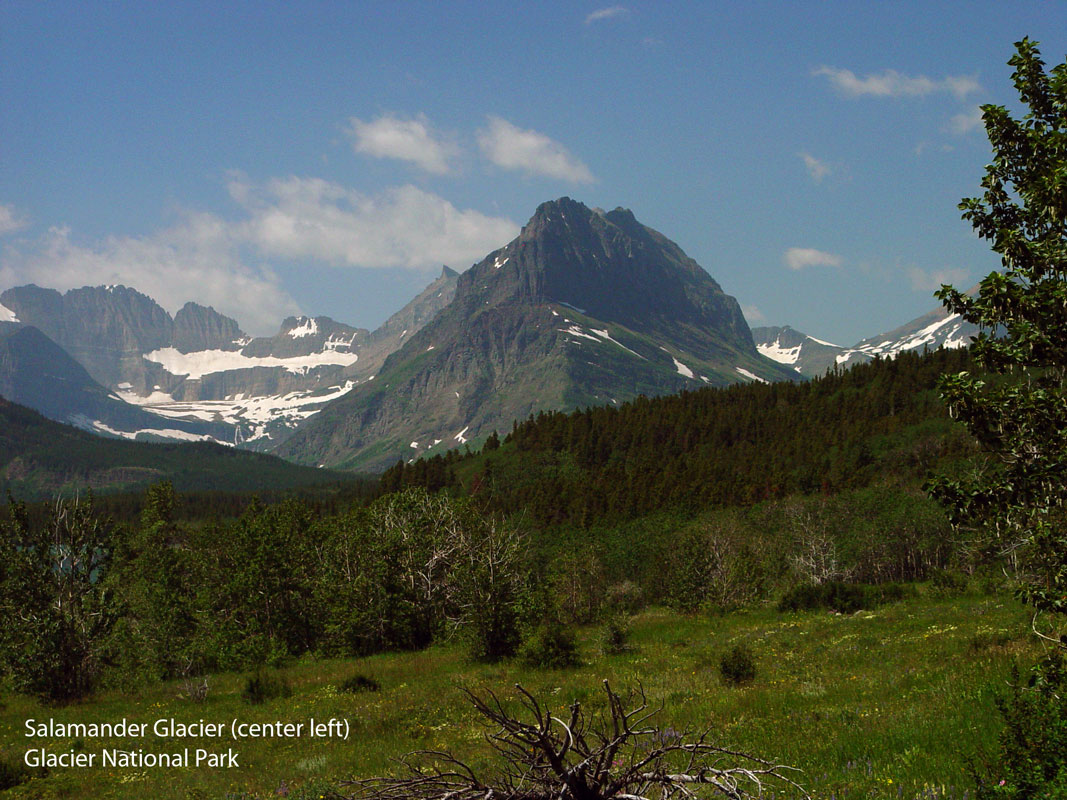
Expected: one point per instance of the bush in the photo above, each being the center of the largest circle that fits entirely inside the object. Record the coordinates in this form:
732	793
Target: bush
845	598
949	582
359	683
262	686
550	647
613	638
626	597
738	666
14	772
1033	746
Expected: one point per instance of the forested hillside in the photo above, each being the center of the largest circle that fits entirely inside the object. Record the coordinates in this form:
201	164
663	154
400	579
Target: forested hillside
712	447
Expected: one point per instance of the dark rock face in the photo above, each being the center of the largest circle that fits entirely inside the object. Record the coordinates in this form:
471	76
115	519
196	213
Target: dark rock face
584	307
198	327
106	329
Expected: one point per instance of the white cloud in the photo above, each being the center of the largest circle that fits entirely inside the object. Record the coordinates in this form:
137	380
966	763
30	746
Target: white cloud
923	281
413	140
962	124
891	83
752	314
816	168
511	147
196	259
310	218
208	259
10	221
606	13
801	257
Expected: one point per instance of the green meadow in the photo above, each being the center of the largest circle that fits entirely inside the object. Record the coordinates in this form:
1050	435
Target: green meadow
894	702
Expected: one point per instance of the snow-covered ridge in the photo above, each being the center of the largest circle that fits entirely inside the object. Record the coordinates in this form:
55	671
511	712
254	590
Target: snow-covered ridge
945	332
206	362
7	315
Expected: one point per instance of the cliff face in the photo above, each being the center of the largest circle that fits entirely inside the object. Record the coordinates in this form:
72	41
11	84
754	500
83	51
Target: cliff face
198	327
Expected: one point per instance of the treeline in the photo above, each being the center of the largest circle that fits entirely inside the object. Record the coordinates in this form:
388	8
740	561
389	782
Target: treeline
89	603
712	447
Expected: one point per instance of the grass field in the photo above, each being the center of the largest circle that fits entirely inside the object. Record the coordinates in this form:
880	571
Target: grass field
883	704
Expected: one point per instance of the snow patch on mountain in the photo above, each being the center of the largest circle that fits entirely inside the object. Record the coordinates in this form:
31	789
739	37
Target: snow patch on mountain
783	355
750	375
576	330
206	362
253	416
7	315
163	433
307	327
683	370
605	335
336	342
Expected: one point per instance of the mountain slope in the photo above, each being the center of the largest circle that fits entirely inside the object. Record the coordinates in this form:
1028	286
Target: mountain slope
36	372
39	458
583	308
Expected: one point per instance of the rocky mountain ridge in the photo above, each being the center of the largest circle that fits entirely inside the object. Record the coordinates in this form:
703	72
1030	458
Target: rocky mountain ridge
584	307
811	357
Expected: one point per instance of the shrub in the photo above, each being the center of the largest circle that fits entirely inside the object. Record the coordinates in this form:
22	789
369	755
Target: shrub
359	683
263	686
613	637
195	689
738	665
14	772
1033	746
949	582
626	597
550	647
845	598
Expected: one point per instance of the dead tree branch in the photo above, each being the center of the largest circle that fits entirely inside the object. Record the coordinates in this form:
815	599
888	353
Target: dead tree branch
617	755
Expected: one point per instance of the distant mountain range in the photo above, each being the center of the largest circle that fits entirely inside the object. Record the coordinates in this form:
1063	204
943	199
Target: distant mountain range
197	375
584	307
810	356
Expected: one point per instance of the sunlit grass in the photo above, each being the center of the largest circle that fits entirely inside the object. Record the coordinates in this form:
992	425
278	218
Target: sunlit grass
889	703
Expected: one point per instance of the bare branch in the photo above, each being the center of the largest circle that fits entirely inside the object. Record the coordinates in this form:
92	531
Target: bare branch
545	758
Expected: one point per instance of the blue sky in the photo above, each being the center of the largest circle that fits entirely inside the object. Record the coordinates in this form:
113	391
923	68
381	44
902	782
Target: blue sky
327	158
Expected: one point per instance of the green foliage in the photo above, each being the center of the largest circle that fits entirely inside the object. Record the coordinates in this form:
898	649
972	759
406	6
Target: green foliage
844	598
738	665
1013	501
615	635
1014	498
949	582
13	772
1033	746
359	683
552	646
54	600
263	686
625	597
